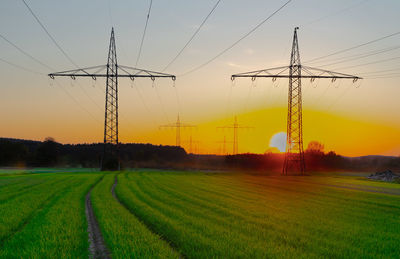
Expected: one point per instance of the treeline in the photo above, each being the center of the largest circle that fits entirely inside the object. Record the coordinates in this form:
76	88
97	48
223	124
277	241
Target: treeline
49	153
315	161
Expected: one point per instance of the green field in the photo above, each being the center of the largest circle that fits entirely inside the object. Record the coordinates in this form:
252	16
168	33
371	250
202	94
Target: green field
166	214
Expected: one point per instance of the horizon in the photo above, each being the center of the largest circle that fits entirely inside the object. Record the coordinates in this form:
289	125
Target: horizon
274	151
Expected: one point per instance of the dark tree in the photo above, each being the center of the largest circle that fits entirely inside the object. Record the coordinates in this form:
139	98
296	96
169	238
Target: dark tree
47	153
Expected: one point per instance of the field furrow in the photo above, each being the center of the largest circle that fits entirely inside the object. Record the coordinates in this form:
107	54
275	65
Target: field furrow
172	214
14	213
58	230
250	216
124	234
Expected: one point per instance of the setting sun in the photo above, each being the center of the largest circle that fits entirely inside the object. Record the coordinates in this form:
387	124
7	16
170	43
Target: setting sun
278	141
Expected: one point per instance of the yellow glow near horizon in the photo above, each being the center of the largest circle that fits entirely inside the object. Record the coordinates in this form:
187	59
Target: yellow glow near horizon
344	135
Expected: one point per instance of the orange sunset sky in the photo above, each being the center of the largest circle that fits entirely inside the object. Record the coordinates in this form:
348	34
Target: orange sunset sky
353	119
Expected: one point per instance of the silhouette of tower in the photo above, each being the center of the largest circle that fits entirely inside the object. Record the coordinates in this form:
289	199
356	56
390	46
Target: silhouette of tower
235	127
111	108
294	156
224	151
178	125
111	71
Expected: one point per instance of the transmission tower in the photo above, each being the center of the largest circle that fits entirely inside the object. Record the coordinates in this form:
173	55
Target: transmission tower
192	143
294	156
223	143
178	125
112	71
235	127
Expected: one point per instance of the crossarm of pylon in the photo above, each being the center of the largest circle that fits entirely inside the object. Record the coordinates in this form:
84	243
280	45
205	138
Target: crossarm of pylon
270	72
136	72
97	71
322	73
307	72
81	72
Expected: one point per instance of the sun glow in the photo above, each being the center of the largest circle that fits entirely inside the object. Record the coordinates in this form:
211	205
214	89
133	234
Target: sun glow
278	141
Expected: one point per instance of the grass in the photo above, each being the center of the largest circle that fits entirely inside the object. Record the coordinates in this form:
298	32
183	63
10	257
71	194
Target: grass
226	215
167	214
20	200
55	226
124	234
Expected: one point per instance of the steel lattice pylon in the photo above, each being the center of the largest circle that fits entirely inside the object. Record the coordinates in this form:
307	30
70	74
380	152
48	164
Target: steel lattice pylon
178	125
111	106
294	156
112	71
235	127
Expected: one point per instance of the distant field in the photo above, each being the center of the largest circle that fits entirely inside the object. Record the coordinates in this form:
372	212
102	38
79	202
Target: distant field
163	214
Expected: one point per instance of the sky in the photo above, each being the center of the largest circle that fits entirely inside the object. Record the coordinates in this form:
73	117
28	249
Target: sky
352	119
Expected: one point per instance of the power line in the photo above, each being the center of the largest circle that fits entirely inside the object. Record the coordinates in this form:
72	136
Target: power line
48	34
20	67
373	53
385	75
177	97
38	73
24	52
370	63
65	91
380	71
236	42
192	37
59	47
335	13
354	47
144	33
78	103
39	62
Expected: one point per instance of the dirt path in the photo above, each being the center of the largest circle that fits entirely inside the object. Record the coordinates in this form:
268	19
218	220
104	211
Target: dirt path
97	247
172	245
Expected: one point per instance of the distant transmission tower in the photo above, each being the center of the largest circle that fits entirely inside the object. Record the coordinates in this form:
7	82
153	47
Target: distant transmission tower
112	71
235	127
192	144
294	156
224	142
178	125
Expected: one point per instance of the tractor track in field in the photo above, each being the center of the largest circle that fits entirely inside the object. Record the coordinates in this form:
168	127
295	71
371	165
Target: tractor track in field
169	242
97	247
